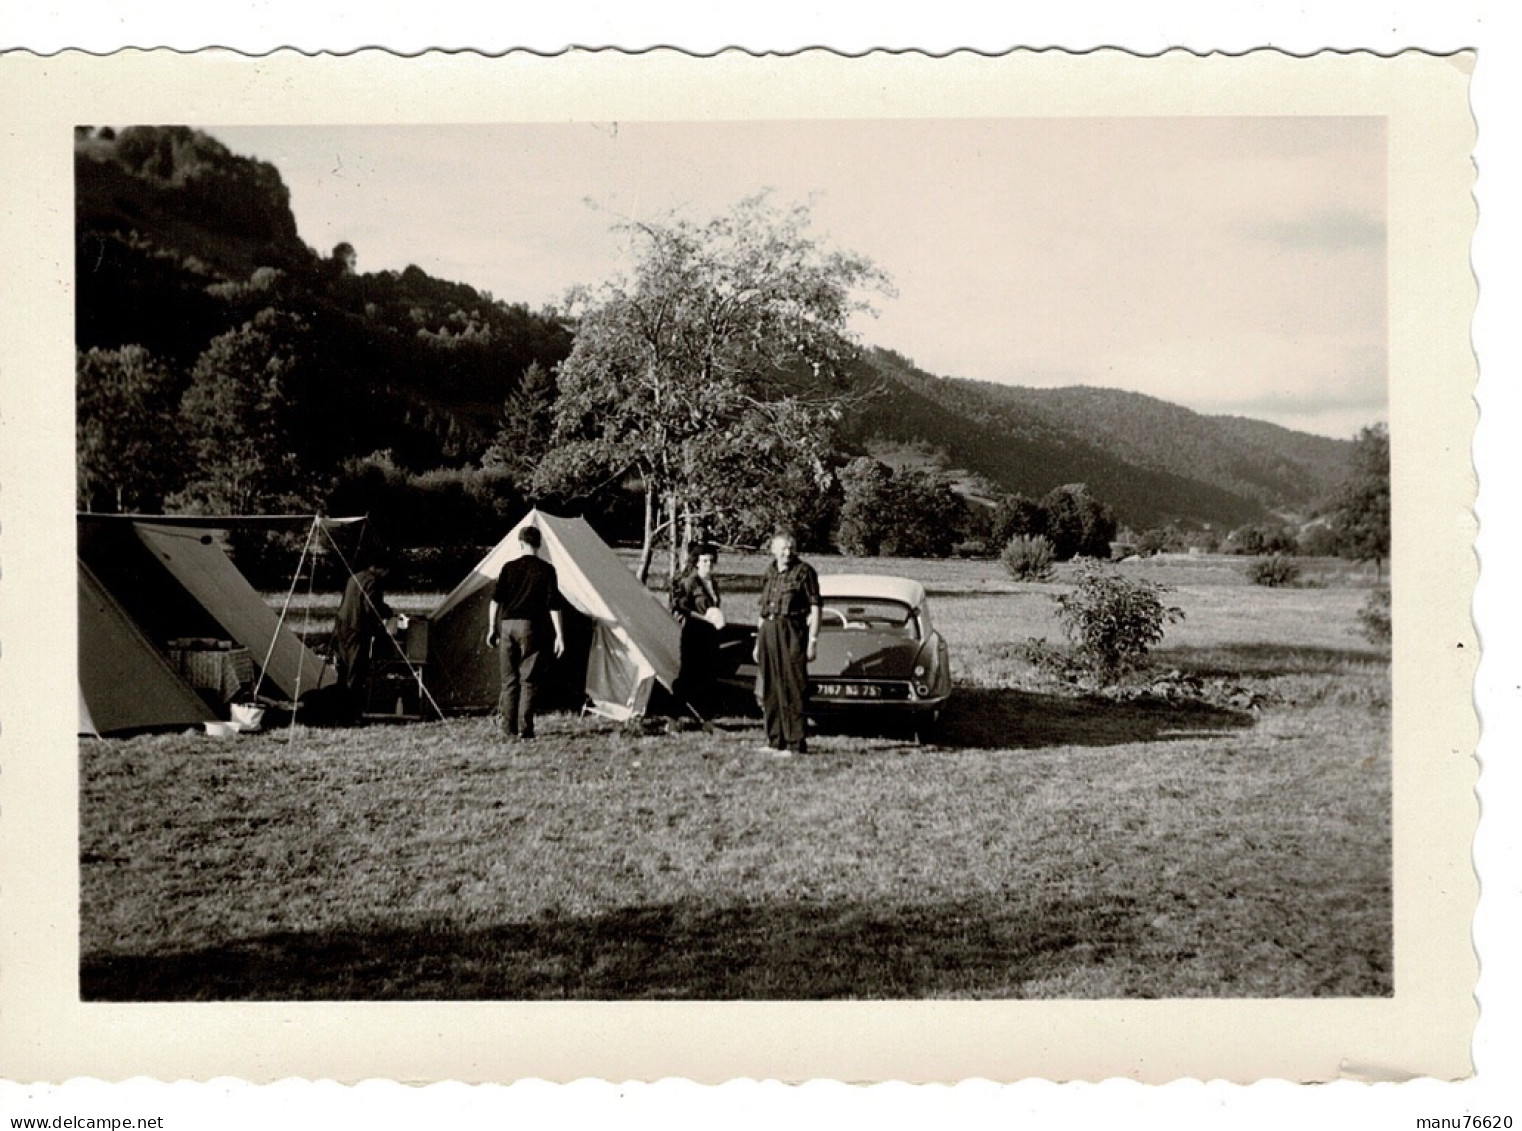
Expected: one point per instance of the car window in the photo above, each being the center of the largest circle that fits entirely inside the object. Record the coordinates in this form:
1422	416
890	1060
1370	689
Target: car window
859	614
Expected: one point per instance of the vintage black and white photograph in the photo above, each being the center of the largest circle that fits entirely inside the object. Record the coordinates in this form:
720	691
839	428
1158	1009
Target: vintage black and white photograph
771	560
884	568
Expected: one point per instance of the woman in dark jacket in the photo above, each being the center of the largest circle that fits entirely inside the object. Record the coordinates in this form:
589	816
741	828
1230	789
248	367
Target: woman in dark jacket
697	606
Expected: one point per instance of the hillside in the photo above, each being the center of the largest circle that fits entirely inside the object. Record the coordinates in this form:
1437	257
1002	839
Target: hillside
1153	461
181	243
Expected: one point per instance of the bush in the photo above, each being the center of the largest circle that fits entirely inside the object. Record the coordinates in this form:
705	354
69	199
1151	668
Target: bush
1029	557
1255	540
1274	572
1375	616
1114	621
1054	662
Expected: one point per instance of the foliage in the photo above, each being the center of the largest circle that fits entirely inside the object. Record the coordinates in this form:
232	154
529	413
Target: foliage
1114	621
1158	540
1077	523
1318	541
1028	557
129	453
1153	462
767	469
1273	572
440	507
1259	539
1015	516
528	422
1362	517
1052	660
237	414
864	484
711	370
1375	616
1072	521
180	242
924	515
912	512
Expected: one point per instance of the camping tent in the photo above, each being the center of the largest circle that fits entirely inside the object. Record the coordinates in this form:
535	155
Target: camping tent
124	683
635	642
167	581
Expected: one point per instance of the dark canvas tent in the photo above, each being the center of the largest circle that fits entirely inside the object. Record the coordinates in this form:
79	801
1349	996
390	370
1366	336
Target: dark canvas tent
169	581
124	683
635	642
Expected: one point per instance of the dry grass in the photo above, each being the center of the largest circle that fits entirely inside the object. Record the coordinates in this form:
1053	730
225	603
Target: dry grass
1049	846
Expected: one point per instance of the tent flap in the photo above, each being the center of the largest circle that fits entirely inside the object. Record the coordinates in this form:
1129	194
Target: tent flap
212	579
124	683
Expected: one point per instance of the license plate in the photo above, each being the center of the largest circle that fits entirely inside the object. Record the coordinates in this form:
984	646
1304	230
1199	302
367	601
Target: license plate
850	691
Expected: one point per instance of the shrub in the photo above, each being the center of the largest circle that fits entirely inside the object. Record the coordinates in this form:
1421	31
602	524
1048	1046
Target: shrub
1114	621
1375	616
1053	661
1028	557
1274	571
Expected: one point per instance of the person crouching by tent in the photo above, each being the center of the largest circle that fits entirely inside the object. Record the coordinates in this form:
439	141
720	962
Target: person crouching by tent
361	621
523	617
697	606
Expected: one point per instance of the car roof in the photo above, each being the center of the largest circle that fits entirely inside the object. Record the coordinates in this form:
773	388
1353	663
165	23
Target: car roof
873	587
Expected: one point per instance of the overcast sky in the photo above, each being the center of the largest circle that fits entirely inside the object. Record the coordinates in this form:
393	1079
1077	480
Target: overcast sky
1234	265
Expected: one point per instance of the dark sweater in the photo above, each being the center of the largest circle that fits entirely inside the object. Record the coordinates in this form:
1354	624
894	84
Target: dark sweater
527	589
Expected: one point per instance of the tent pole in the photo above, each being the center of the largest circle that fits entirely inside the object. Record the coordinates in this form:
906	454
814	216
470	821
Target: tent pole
280	621
306	626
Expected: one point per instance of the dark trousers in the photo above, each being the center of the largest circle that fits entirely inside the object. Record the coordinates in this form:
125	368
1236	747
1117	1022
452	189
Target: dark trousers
523	671
353	662
695	681
784	680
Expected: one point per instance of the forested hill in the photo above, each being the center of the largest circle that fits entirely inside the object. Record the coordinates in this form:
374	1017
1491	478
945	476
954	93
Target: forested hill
181	243
205	324
1153	461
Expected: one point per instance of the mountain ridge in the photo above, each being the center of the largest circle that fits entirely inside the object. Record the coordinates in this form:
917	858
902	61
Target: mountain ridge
179	240
1153	460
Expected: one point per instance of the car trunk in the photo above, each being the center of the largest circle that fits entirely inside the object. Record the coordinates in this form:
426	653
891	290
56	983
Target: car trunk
864	655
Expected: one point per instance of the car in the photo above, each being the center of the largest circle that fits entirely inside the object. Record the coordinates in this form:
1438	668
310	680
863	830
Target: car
880	657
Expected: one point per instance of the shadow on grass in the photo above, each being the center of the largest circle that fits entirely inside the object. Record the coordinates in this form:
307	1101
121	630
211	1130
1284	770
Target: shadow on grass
996	719
1231	660
794	951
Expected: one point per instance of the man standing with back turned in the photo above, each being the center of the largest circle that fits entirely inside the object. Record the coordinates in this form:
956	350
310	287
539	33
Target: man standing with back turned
524	615
786	640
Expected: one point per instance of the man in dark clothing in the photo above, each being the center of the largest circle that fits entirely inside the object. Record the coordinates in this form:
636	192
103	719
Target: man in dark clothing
787	638
524	615
695	602
360	622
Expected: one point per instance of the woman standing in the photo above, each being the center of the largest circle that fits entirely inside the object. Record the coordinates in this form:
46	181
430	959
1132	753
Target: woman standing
697	606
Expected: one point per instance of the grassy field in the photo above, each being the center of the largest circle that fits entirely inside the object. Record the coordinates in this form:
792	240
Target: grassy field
1049	845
